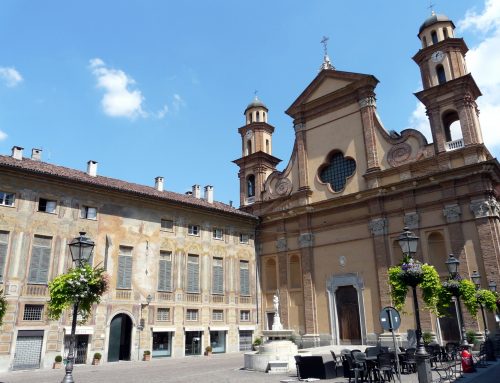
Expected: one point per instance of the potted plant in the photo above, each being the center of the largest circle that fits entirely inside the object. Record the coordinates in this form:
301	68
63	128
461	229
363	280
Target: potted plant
208	350
97	359
57	361
427	337
146	356
256	343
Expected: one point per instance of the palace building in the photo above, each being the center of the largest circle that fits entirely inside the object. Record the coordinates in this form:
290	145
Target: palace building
182	267
329	222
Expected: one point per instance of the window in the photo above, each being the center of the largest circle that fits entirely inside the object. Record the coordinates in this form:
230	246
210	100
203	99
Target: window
47	206
434	37
244	238
244	315
193	274
441	75
167	225
33	312
192	315
163	314
218	233
251	186
193	230
7	199
165	271
217	276
218	315
267	146
249	147
40	260
244	278
445	33
124	278
88	212
4	242
336	172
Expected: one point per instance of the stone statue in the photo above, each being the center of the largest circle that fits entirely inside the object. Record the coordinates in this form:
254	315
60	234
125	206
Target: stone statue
276	301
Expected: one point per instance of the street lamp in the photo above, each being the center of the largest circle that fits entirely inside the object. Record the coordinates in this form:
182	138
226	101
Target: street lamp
476	279
140	326
492	286
81	250
452	264
408	243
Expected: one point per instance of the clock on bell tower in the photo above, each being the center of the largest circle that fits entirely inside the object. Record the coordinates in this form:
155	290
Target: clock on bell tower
450	91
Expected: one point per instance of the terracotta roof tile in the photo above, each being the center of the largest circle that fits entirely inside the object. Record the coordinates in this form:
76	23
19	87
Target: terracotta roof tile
61	172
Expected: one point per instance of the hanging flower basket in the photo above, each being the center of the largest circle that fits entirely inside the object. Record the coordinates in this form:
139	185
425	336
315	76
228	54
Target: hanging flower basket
84	285
3	306
411	273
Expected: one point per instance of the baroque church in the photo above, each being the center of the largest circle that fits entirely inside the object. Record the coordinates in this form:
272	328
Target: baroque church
330	221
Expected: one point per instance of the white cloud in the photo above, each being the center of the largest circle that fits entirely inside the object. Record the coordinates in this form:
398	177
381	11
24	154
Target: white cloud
178	102
3	135
483	61
162	112
119	100
10	76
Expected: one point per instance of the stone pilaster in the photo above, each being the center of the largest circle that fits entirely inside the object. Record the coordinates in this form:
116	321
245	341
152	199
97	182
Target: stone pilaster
300	140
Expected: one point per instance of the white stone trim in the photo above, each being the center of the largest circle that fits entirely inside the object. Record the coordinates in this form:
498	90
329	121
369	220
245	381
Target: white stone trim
163	329
218	328
80	330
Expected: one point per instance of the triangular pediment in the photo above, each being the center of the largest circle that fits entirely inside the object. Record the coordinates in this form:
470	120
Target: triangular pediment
329	82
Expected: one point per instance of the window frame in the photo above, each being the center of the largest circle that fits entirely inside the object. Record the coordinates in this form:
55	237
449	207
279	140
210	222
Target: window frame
127	257
194	230
189	288
190	312
218	315
165	310
216	231
4	252
215	260
43	266
84	212
163	258
169	228
244	289
4	197
245	315
31	305
242	241
46	201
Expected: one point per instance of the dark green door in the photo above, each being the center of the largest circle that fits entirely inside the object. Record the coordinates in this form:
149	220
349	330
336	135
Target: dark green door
120	332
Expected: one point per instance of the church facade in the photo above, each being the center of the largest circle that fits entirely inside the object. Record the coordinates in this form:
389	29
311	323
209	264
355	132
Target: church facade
329	222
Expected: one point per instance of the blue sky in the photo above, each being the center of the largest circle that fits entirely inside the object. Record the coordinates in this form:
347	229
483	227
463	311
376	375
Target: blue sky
158	88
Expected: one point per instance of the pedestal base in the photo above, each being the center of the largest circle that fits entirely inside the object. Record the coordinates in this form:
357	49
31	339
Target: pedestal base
424	369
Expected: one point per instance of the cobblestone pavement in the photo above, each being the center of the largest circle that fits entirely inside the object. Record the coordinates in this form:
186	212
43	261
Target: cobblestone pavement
216	368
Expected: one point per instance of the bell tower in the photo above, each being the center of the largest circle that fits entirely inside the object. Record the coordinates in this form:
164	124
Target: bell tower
450	91
257	161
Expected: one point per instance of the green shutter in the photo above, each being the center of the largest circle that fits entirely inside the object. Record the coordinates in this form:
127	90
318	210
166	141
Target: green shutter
217	277
164	275
124	280
193	274
43	274
3	257
244	279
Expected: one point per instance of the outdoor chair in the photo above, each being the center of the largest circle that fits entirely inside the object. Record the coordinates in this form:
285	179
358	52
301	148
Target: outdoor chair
361	365
348	367
372	351
385	368
337	361
409	363
310	367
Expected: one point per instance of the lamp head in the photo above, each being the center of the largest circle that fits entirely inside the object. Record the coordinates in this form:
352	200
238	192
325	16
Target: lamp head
452	264
81	249
476	278
408	242
492	286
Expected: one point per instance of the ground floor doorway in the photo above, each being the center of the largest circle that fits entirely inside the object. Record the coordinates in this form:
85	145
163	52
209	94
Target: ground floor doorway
270	320
162	344
245	340
120	338
218	341
450	331
192	343
28	349
81	347
346	298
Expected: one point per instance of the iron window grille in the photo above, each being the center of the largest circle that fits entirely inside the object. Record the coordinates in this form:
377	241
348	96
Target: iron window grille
163	314
33	312
336	172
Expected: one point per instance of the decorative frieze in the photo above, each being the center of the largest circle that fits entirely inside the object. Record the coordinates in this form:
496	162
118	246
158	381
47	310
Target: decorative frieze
378	226
485	208
306	240
281	244
411	220
452	213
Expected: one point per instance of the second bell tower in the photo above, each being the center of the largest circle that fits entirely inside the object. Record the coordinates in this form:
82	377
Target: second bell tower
450	91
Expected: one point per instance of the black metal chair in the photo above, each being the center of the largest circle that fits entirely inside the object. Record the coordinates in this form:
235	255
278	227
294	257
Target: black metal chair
337	361
310	367
384	366
372	351
409	363
361	365
348	367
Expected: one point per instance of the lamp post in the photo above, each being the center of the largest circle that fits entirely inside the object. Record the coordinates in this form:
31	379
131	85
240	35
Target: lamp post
476	279
81	249
452	264
408	243
140	327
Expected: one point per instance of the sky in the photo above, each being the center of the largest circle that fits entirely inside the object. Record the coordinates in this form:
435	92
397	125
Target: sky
153	88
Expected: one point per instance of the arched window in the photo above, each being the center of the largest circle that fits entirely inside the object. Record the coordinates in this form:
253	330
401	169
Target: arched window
440	74
249	147
270	275
425	41
295	274
451	125
258	116
251	117
251	186
264	116
445	33
434	37
267	146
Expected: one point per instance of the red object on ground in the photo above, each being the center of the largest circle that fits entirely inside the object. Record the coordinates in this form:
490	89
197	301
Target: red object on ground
467	362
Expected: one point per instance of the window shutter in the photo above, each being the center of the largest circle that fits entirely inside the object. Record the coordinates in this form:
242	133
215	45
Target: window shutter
3	252
124	271
244	279
164	275
218	277
36	254
193	274
43	274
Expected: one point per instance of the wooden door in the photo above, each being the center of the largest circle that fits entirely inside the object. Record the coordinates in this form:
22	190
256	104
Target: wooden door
449	325
348	315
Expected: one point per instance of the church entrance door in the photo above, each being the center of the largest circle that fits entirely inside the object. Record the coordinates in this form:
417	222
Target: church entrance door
348	315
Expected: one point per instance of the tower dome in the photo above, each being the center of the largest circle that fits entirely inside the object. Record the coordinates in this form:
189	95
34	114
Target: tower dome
256	111
433	19
435	29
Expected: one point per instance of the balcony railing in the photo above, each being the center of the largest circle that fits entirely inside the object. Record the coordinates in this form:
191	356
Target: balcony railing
193	298
36	290
123	294
245	300
452	145
217	298
163	296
